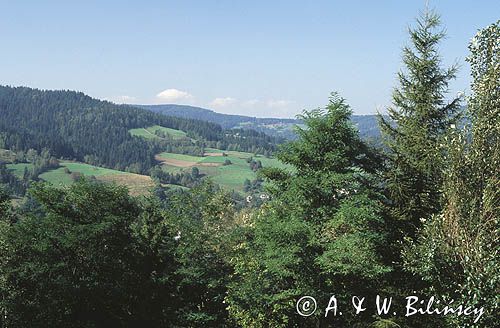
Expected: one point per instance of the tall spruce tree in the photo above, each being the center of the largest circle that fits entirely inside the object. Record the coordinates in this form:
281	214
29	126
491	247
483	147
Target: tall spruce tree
418	119
463	239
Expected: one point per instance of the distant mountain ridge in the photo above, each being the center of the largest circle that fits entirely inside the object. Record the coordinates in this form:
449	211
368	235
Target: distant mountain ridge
227	121
282	127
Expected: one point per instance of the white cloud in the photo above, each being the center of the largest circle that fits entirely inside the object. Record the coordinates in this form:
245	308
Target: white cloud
222	102
174	95
278	104
251	103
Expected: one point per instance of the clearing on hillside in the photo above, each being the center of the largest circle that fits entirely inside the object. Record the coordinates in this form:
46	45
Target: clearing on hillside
158	132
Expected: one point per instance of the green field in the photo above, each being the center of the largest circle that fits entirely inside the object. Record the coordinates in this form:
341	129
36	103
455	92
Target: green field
230	152
213	150
172	169
228	176
232	176
58	176
18	169
150	132
273	162
237	156
182	157
136	183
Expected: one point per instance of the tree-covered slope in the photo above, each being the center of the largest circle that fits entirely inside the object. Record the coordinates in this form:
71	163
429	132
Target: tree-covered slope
73	125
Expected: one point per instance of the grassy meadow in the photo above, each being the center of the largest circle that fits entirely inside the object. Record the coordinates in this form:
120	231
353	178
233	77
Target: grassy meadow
150	132
18	169
137	184
181	157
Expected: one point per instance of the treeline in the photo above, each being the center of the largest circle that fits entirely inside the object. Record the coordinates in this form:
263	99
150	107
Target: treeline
38	164
11	184
418	218
74	126
185	179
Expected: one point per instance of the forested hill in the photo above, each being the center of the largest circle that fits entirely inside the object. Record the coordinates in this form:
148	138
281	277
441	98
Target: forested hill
75	126
227	121
282	127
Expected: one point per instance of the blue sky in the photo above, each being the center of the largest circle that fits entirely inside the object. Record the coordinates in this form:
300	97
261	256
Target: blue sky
259	58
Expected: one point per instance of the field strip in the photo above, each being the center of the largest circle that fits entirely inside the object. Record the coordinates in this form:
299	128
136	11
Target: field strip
183	163
136	183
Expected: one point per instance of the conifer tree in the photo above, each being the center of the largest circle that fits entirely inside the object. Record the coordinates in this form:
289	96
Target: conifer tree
463	239
322	233
418	119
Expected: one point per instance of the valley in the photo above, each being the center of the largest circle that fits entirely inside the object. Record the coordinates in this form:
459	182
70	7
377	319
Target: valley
61	136
209	164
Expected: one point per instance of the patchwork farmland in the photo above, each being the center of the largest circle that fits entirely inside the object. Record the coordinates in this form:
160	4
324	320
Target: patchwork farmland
229	169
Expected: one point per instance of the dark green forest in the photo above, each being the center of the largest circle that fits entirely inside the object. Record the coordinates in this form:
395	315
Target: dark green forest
416	217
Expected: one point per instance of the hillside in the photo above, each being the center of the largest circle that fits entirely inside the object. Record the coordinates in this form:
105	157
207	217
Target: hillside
68	172
282	127
75	126
232	170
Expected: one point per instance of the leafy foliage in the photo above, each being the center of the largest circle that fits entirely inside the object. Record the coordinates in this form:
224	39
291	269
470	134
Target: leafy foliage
96	257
